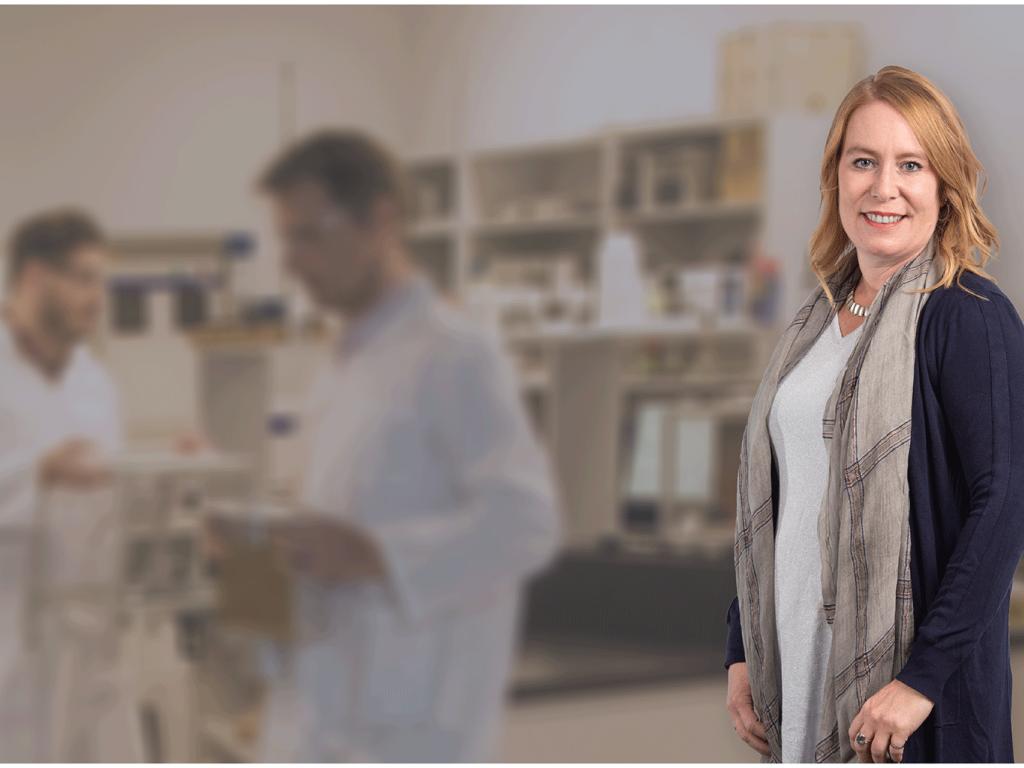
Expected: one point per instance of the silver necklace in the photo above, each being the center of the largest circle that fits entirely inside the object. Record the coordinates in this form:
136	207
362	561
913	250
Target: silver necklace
854	307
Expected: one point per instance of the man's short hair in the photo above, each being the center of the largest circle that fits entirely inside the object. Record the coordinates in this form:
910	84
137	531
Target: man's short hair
355	170
50	238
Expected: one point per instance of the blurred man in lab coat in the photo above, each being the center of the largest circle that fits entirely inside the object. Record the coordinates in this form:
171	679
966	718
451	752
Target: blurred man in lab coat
59	417
428	501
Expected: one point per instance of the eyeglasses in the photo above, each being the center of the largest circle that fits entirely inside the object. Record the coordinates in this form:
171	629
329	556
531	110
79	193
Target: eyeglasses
81	277
314	232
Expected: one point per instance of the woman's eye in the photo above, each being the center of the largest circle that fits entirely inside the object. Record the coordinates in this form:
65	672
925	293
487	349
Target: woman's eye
861	160
914	163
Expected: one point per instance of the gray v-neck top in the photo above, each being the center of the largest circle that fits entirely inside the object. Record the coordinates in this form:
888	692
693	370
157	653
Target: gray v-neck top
804	638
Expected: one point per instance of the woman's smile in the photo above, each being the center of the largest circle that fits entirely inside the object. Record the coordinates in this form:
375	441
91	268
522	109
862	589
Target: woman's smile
883	221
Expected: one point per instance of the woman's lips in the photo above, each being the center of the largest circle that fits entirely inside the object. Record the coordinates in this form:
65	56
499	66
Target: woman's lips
876	225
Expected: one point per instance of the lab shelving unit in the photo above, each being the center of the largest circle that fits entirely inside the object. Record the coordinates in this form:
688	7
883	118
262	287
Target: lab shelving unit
541	205
162	287
435	235
707	201
643	423
535	218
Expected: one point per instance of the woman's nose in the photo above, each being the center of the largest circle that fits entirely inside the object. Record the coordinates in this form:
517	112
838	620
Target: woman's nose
884	187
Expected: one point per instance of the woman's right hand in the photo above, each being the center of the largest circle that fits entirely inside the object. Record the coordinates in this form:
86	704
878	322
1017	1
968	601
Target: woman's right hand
740	704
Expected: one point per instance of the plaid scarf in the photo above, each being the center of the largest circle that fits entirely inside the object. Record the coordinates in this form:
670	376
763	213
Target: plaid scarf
863	525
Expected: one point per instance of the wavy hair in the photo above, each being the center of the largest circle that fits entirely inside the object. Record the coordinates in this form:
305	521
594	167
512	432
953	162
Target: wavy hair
965	239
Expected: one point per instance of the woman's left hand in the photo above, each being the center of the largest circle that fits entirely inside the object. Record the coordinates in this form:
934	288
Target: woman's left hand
888	718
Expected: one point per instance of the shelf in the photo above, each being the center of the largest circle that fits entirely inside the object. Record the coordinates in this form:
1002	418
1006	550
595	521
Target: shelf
549	188
657	330
698	212
699	126
143	526
244	337
668	383
211	246
559	225
212	335
542	151
433	184
706	170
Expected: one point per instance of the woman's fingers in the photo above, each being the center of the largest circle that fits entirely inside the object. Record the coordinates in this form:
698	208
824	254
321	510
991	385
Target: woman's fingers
758	744
859	727
756	727
863	750
879	744
749	729
740	704
887	748
752	730
896	750
751	739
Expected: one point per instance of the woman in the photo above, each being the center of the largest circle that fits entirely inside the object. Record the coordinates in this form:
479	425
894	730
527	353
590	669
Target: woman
871	614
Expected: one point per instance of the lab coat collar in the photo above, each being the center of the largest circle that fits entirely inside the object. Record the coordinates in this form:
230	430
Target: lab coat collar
403	298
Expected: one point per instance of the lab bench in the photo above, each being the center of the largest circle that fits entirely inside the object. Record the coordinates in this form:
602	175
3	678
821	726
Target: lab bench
606	617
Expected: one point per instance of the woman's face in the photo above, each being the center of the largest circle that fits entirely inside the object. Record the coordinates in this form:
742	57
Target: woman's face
883	172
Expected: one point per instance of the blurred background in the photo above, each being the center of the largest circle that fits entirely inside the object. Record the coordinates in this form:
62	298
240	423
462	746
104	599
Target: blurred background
623	195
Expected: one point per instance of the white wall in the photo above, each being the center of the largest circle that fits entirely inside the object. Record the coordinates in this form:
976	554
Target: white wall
160	118
492	76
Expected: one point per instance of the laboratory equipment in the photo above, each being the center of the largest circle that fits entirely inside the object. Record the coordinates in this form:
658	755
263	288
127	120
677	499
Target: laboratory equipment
251	398
644	430
117	593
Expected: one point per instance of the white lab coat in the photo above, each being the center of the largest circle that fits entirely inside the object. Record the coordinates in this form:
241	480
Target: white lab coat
418	434
36	415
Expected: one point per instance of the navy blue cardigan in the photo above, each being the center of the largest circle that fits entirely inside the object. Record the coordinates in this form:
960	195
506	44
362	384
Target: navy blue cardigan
966	486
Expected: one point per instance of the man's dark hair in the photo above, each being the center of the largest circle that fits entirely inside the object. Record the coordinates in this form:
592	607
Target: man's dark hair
50	238
355	170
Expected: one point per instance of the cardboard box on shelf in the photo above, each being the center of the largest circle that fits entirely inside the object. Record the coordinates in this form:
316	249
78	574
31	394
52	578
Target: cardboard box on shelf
742	162
789	66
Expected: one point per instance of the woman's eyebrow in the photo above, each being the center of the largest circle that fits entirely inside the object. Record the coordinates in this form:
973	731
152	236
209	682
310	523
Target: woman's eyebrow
866	151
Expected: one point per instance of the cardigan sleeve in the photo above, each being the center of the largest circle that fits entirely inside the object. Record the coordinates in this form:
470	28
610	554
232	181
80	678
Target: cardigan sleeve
978	361
734	639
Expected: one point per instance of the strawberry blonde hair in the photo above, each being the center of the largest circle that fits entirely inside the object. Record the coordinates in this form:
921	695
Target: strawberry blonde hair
965	239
